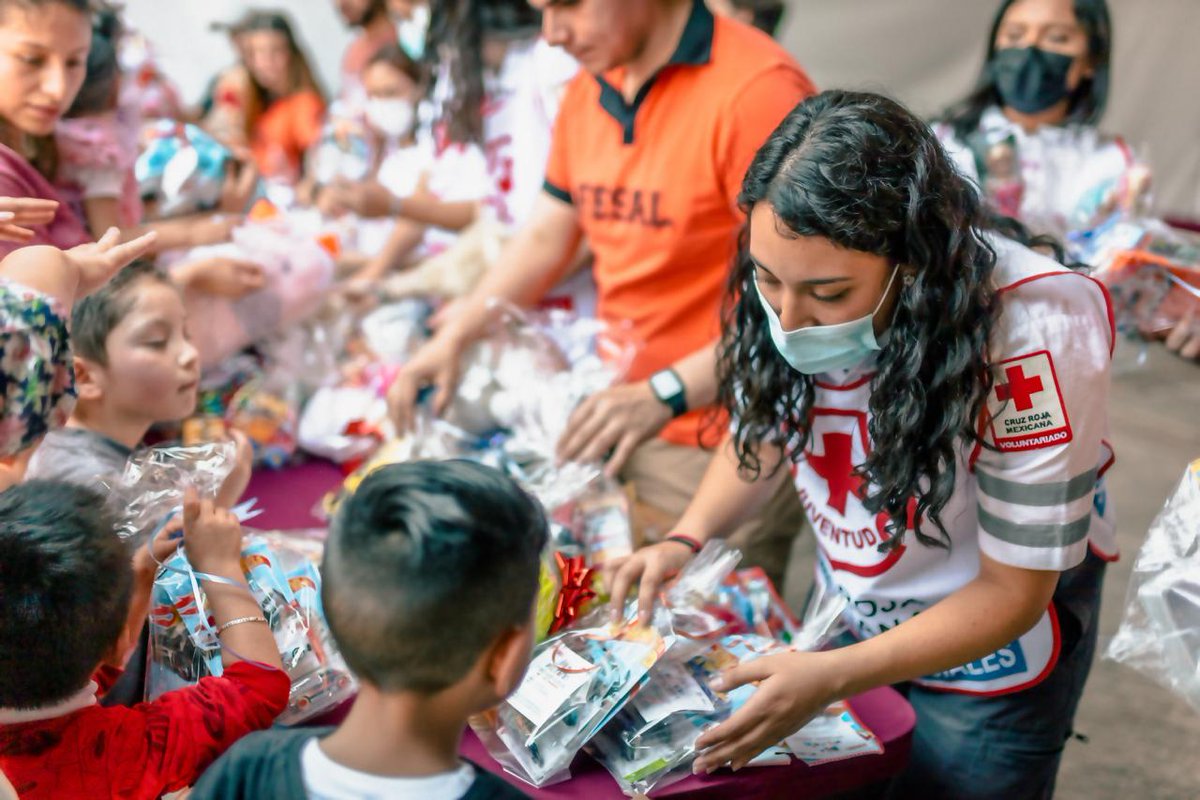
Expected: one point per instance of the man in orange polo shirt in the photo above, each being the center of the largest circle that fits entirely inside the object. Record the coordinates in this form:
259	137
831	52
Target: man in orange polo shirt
648	154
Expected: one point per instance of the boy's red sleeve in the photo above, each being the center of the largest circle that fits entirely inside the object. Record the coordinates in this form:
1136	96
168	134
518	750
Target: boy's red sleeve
186	730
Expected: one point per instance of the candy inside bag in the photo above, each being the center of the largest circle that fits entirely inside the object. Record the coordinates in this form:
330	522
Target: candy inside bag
286	584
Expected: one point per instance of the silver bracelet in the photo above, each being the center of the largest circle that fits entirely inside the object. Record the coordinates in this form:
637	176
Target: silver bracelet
239	621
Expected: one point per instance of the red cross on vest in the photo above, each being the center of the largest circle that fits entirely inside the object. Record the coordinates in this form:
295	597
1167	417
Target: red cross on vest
836	468
1019	389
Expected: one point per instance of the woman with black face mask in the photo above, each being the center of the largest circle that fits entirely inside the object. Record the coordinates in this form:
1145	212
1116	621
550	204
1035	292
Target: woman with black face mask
1028	132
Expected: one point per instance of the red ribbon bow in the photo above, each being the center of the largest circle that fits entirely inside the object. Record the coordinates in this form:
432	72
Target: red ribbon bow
576	590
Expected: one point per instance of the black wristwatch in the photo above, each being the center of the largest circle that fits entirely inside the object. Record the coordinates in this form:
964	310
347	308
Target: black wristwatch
668	387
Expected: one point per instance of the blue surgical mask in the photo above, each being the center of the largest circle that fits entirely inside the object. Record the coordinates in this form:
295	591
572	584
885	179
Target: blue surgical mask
823	348
411	32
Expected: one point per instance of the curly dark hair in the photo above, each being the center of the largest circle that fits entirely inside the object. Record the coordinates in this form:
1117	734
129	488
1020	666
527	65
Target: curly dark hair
865	173
1087	102
457	29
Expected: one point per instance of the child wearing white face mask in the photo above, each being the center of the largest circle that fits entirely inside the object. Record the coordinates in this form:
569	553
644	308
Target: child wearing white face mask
410	164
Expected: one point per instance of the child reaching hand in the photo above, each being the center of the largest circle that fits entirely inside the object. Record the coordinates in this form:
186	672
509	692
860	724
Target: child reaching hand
64	587
38	289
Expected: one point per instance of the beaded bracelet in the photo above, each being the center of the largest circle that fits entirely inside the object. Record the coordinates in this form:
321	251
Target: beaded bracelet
690	542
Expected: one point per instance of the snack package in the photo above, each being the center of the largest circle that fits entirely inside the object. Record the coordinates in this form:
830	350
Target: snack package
287	586
1151	270
265	411
1160	632
576	682
652	742
154	481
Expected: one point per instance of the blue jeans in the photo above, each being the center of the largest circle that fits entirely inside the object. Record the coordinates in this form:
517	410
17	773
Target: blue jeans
1007	747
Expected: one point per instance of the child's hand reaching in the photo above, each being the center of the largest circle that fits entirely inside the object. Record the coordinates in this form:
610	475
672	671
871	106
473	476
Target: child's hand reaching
213	537
18	214
97	263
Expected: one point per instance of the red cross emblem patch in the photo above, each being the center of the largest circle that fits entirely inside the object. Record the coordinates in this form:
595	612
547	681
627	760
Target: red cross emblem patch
1026	404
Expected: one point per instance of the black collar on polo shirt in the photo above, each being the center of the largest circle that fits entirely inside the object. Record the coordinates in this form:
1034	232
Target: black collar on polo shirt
694	49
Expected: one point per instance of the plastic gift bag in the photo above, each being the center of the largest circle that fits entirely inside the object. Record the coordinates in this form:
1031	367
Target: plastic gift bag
652	742
154	481
286	583
1160	633
575	683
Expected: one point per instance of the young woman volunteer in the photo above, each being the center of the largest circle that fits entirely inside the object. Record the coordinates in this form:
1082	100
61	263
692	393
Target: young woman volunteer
1028	131
937	393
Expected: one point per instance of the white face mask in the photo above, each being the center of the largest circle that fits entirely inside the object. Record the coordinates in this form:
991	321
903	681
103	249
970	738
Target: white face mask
822	348
393	117
411	32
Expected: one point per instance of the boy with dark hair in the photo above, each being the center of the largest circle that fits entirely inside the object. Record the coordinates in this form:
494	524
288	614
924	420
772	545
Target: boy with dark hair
430	576
65	585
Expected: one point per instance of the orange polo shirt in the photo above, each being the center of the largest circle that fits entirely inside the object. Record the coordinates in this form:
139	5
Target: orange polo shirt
655	183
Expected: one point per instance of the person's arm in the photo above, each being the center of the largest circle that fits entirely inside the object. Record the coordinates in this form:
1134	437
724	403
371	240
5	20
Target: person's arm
1002	603
213	539
403	239
530	264
103	213
724	500
611	424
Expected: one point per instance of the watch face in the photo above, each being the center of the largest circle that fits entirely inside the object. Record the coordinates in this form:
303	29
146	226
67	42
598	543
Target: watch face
665	384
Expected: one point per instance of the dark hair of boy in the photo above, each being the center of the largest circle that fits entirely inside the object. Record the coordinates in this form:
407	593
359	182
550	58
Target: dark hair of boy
94	317
99	91
426	565
65	582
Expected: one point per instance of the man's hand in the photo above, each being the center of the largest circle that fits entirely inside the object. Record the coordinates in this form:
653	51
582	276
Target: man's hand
610	424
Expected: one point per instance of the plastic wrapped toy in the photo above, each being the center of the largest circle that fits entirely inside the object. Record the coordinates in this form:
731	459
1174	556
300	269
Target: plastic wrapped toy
181	169
1160	633
287	586
1152	271
298	271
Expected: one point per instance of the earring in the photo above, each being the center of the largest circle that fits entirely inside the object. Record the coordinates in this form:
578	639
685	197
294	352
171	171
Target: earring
909	280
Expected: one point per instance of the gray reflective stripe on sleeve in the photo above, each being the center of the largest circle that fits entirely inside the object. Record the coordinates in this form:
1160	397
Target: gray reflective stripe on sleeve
1035	534
1036	494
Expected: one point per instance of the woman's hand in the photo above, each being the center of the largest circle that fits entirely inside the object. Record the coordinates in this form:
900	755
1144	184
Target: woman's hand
222	276
241	182
97	263
18	214
650	568
792	689
610	424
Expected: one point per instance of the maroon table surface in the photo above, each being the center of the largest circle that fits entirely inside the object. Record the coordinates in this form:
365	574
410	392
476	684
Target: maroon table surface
883	710
287	498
